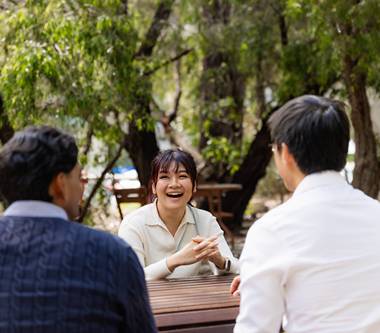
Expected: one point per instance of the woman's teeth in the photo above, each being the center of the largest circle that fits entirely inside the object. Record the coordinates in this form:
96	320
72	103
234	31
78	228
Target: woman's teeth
174	195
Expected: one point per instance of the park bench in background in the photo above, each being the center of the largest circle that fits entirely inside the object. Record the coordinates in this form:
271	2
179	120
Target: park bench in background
124	195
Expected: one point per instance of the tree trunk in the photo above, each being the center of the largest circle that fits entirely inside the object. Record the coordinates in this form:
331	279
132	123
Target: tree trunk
159	21
142	148
367	167
222	88
250	172
142	144
282	24
219	83
6	129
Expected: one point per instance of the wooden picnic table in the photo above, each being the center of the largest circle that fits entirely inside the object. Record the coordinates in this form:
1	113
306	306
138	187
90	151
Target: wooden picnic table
218	187
200	304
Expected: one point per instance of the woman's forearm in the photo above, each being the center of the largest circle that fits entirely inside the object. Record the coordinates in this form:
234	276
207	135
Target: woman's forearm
173	262
158	270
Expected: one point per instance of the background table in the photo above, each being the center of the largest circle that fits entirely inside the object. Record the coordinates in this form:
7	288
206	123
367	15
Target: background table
213	192
200	304
203	188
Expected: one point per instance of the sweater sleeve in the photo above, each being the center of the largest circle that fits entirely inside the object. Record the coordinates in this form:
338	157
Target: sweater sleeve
138	315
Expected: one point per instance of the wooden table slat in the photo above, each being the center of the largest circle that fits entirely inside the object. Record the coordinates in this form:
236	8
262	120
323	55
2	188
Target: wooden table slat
190	304
209	316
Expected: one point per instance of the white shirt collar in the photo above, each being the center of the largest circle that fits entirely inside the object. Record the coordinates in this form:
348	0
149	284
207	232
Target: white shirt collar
319	179
34	208
188	218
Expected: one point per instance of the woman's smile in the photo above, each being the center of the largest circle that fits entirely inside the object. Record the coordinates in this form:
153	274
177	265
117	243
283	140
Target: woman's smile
174	194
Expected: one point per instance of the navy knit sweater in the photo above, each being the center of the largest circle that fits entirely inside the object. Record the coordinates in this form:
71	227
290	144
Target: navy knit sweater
60	276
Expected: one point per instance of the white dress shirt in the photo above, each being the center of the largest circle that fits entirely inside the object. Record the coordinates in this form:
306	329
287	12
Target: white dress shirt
315	260
148	235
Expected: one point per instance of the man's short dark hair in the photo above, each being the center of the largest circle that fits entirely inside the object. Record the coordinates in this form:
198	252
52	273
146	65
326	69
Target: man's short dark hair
316	131
31	159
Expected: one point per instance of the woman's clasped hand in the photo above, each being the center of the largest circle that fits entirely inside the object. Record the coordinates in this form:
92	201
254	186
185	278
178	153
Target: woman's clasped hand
198	249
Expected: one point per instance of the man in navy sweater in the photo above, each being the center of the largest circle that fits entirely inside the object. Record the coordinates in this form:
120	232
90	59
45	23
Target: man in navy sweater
57	275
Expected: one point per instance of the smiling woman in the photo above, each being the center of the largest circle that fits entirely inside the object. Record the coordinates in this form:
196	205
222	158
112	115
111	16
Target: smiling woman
172	238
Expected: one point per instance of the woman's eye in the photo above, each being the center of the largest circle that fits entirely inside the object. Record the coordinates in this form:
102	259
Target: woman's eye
183	176
163	177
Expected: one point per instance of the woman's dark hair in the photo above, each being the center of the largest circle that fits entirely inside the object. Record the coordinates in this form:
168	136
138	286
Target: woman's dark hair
31	159
316	131
165	158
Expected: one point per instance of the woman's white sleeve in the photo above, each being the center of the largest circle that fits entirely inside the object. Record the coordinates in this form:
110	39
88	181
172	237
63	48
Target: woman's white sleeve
133	236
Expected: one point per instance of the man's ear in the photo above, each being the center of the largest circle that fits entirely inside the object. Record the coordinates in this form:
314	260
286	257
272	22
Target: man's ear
57	188
286	156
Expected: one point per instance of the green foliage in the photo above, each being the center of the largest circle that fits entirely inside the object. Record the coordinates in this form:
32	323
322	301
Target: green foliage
71	63
70	59
220	149
352	27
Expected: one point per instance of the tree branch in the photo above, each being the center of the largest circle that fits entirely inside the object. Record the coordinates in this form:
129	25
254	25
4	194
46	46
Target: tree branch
99	182
282	24
159	20
173	115
167	62
124	7
89	134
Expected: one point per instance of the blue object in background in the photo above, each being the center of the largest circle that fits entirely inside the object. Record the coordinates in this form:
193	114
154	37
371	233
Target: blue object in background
122	169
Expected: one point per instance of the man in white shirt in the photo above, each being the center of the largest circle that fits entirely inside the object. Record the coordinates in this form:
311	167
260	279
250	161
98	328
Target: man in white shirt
315	260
